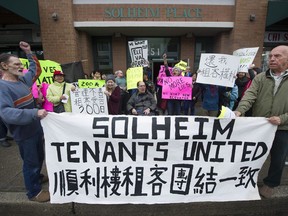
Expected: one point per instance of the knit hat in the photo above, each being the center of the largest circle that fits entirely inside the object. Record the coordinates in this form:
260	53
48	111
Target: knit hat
57	72
110	77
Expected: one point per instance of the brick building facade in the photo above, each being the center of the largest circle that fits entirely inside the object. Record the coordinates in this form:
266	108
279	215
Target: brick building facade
226	25
98	32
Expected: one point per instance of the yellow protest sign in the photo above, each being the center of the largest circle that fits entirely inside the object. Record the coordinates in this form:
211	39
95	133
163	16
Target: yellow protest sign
90	83
134	75
48	67
182	65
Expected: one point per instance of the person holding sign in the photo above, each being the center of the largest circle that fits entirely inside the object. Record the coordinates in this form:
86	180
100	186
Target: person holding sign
18	112
173	106
59	92
142	102
113	93
267	96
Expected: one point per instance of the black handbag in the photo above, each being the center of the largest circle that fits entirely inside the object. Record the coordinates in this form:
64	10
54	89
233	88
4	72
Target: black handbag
60	107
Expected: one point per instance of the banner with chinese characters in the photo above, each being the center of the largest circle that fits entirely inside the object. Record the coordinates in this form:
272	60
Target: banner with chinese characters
90	101
218	69
177	87
154	159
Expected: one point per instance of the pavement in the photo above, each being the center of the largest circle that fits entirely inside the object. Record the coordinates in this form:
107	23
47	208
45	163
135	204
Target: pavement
13	200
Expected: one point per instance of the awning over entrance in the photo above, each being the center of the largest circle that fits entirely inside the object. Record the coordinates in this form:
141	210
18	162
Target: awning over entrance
277	11
26	9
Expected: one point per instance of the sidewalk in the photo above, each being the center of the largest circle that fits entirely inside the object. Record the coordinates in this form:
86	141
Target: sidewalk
13	200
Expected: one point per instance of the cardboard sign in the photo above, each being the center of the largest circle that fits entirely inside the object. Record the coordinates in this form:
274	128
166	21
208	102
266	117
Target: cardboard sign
177	87
218	69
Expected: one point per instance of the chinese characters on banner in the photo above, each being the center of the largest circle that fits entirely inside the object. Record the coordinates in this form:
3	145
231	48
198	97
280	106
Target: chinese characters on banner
247	56
139	53
218	69
154	159
177	87
90	101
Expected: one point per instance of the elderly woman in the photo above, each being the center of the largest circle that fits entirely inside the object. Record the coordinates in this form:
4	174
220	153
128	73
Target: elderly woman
113	93
58	93
142	102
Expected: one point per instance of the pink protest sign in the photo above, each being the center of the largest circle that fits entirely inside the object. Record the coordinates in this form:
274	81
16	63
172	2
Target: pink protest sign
177	87
162	74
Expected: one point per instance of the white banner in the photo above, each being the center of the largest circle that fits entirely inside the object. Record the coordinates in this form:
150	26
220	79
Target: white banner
139	53
154	159
218	69
90	101
247	56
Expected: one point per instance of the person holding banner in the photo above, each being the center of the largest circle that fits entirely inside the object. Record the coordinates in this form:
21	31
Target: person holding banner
113	93
18	112
142	102
267	96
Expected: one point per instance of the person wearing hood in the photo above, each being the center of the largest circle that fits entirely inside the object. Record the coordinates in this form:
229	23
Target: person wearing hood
59	91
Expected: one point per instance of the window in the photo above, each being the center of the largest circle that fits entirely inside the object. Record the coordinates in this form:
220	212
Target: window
102	50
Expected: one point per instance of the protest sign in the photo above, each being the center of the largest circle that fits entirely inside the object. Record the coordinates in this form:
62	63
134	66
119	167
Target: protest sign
177	87
139	53
162	74
154	159
247	56
218	69
90	101
48	67
134	75
90	83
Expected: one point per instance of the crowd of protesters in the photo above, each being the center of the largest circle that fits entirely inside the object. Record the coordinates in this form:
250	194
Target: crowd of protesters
254	94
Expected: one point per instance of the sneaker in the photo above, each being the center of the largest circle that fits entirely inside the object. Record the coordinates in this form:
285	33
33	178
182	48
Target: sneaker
266	191
43	178
42	196
4	143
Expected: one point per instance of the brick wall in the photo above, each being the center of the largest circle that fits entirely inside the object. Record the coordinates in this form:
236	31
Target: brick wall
248	33
63	43
60	40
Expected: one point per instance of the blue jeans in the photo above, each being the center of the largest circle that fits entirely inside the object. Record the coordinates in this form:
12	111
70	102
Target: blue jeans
3	130
189	104
278	154
174	107
32	154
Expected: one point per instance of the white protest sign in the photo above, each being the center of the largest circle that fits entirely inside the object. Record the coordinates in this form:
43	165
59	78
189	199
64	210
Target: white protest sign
90	101
154	159
218	69
139	53
247	56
